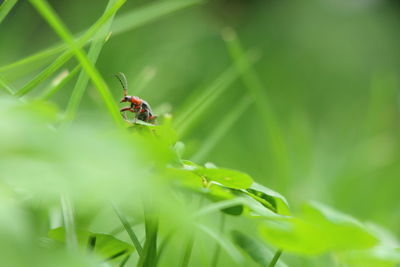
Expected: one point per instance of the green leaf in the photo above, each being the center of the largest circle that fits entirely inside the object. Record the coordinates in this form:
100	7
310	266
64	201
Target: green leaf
320	229
5	8
219	193
268	198
106	246
184	178
376	257
187	179
254	248
385	254
55	22
226	177
93	54
128	21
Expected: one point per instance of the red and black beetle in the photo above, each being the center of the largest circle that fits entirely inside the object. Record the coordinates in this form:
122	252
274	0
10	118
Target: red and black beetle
138	106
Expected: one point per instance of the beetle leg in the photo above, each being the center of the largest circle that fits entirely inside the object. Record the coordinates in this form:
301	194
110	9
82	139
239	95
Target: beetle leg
122	110
152	118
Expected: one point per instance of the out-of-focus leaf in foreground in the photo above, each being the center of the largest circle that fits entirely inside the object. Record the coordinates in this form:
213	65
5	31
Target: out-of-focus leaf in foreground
319	229
90	162
254	248
105	246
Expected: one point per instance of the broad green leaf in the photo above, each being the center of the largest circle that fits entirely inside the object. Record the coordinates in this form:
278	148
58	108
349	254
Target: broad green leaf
268	197
189	165
320	229
184	178
219	193
376	257
106	246
385	254
226	177
254	248
213	192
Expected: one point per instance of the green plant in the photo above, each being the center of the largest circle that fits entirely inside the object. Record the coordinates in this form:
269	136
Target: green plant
98	194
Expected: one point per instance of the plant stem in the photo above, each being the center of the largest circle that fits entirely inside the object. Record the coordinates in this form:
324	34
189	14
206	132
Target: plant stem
55	22
5	8
128	229
188	252
275	258
217	252
149	255
68	215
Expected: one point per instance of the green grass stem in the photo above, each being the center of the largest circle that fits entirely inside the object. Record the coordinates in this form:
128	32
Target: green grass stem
5	8
93	54
54	21
275	138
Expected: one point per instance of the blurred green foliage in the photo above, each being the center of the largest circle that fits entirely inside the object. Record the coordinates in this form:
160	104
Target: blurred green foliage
301	95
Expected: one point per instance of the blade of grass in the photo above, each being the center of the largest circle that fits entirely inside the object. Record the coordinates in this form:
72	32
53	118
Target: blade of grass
185	120
5	8
54	21
227	246
142	16
124	261
83	79
61	60
54	89
5	85
188	251
221	130
129	21
44	56
217	251
46	73
215	207
164	244
275	258
143	79
275	141
68	216
129	230
149	255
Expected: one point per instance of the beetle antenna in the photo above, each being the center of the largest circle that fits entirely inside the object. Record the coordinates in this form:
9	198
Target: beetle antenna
124	83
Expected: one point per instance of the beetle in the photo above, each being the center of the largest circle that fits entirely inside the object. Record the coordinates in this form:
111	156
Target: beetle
138	106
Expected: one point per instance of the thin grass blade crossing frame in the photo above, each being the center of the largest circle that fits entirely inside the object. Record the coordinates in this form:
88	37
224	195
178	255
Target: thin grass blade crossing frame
46	11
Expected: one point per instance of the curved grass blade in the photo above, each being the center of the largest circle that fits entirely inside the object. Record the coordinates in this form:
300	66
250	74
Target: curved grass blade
54	89
54	21
275	258
220	131
4	84
5	8
215	207
93	54
217	252
227	246
69	224
188	251
256	89
61	60
128	229
129	21
198	104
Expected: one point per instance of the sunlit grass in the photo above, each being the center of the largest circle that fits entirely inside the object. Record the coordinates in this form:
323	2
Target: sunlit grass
73	187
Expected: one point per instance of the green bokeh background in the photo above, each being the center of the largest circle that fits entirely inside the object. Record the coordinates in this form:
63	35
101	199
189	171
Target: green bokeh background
329	67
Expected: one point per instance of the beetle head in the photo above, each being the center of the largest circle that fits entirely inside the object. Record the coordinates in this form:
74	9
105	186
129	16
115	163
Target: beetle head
126	99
